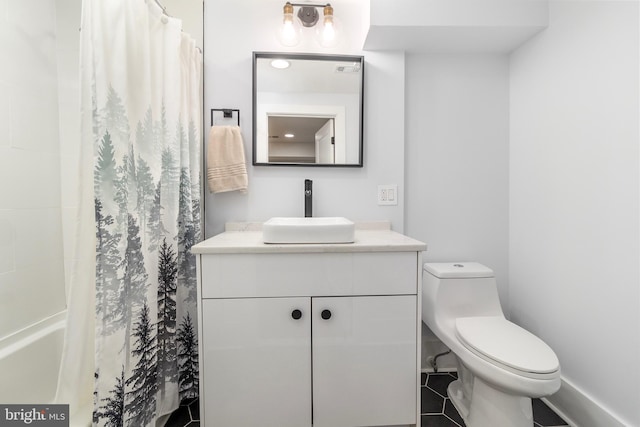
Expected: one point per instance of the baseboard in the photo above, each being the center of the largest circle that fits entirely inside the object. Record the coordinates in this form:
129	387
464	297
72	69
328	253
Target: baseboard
579	409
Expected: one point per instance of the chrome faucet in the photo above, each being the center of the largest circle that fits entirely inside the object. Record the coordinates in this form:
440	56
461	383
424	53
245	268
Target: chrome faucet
308	198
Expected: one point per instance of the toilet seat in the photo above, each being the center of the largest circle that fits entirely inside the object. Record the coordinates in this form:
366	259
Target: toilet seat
507	345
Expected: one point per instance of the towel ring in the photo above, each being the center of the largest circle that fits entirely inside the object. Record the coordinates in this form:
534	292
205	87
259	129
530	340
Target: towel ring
227	113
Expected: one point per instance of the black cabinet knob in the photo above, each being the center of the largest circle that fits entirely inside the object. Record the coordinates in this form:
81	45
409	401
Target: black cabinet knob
326	314
296	314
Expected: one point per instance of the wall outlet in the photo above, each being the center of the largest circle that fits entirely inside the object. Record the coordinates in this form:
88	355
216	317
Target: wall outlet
387	194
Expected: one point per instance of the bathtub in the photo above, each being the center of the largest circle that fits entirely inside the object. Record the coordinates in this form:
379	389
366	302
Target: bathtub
30	360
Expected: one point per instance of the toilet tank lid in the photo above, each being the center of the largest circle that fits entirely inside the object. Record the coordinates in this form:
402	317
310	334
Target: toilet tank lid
454	270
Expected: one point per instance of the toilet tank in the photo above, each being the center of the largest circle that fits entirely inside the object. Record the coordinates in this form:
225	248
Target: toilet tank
452	290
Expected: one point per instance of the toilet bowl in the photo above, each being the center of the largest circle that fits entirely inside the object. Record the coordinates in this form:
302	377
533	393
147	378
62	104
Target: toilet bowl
501	366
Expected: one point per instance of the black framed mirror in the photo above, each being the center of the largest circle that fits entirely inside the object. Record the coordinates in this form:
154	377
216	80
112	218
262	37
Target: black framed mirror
307	109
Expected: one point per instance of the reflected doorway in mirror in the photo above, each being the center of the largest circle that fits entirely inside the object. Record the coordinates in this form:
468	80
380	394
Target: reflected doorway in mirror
302	139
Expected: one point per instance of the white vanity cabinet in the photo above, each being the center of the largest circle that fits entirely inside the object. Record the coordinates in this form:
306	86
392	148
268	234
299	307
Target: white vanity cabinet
309	335
256	367
364	361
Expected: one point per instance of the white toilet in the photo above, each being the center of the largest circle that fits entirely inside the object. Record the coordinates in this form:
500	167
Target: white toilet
500	365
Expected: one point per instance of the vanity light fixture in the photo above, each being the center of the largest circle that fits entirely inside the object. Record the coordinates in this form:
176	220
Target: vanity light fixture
289	135
326	30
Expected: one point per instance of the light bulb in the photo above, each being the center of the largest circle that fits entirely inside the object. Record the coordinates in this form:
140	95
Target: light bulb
289	36
289	32
327	32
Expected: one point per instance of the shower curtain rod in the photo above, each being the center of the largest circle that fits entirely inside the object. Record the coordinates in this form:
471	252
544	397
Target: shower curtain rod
164	9
164	12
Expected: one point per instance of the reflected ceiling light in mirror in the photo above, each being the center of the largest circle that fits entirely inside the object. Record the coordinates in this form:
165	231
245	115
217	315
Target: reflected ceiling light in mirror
289	135
326	28
280	64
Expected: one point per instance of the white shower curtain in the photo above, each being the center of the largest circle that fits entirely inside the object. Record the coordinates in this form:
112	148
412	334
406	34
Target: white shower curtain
140	215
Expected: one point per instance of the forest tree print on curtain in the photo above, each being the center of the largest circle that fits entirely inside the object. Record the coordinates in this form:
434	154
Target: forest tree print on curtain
160	350
146	181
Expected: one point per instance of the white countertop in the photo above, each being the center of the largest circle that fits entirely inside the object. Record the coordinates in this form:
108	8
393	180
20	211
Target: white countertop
247	238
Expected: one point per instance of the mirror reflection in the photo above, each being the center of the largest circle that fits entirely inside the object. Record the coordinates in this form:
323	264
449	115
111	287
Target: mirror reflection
301	139
307	109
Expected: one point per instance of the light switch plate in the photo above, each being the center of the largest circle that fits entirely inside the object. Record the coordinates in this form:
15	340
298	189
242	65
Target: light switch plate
388	195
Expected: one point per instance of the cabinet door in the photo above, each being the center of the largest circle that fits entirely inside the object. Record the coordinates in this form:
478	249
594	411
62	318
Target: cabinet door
364	361
257	362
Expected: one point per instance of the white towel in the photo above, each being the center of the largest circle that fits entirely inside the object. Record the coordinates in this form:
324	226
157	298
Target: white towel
226	168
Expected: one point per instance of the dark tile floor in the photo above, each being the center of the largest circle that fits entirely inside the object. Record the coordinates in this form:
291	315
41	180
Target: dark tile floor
188	414
438	411
436	408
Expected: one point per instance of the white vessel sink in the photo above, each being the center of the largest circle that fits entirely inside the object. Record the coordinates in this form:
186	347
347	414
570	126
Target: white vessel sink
308	230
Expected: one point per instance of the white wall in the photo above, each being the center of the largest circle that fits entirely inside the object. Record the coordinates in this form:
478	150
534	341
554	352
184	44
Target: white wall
31	260
457	158
236	28
574	199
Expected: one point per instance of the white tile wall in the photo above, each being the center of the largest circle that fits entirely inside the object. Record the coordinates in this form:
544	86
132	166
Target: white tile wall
7	243
30	294
5	110
38	237
32	179
34	115
5	173
31	256
3	10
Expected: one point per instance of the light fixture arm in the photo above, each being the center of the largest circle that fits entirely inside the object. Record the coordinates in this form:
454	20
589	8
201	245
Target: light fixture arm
308	12
308	16
309	4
